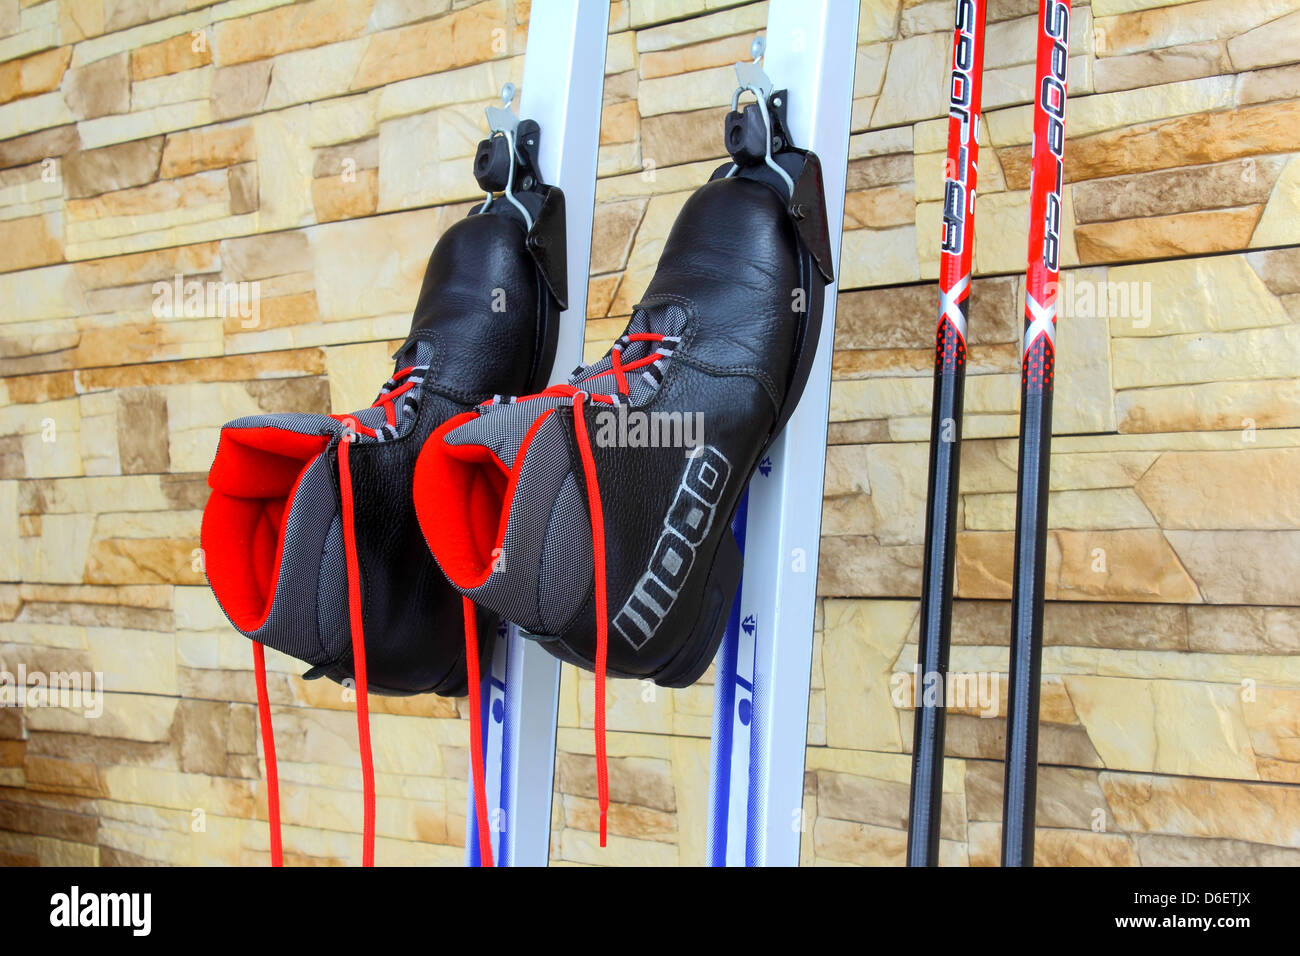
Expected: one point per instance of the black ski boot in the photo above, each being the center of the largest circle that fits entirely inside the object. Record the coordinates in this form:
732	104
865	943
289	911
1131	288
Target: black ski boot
596	515
310	540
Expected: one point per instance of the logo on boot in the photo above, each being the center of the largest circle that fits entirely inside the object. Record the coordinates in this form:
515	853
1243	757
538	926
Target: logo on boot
686	525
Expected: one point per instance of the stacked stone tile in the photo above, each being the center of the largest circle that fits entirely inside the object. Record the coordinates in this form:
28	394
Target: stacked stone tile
319	148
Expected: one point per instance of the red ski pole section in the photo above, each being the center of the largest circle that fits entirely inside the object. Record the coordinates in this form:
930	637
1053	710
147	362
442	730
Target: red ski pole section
960	174
1045	209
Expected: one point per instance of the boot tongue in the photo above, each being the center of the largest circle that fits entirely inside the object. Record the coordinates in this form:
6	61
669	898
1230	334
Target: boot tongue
543	571
504	429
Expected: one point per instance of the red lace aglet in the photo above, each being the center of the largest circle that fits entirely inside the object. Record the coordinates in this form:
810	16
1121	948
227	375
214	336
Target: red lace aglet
604	813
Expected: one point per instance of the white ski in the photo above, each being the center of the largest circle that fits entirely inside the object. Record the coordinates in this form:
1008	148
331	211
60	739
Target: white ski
760	717
562	89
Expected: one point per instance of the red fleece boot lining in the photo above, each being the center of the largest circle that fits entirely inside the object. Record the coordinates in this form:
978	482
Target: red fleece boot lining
461	493
253	479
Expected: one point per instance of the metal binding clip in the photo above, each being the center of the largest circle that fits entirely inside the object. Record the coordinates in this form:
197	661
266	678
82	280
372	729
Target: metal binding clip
751	78
502	121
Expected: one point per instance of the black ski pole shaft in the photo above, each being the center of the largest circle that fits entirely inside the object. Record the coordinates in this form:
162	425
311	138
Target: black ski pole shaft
1037	378
964	83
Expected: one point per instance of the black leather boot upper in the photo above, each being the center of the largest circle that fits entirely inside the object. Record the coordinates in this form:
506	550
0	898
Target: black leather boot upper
484	324
736	298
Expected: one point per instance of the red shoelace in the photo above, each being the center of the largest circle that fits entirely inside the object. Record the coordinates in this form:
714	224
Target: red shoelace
580	398
356	626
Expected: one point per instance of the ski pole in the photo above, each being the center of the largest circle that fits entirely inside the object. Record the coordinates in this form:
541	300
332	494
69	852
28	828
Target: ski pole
1036	380
945	431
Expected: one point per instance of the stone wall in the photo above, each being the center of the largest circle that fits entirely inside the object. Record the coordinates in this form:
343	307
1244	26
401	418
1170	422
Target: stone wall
320	148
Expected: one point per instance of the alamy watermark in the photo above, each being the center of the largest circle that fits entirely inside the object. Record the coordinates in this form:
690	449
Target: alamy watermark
205	299
978	691
1079	298
71	690
624	427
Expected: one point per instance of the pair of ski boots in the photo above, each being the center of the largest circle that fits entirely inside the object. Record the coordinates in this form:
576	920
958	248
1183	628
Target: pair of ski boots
383	547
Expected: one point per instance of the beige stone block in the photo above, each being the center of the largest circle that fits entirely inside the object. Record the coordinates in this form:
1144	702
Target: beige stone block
1133	565
1213	809
418	177
1084	393
702	89
861	844
675	23
1262	86
878	398
1204	490
1108	508
101	88
1007	86
477	82
912	90
1244	630
1241	567
577	846
1201	731
457	39
1277	225
199	189
211	148
292	27
887	256
1272	718
112	168
1159	850
1153	67
863	639
284	167
1203	137
1083	848
880	803
173	55
630	705
1269	44
344	119
312	75
37	146
107	130
30	242
618	123
1232	184
1236	407
1120	718
35	114
1186	23
1198	295
337	198
923	17
143	561
146	717
1193	233
375	265
680	60
10	565
1241	355
79	19
239	90
35	74
129	26
690	763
